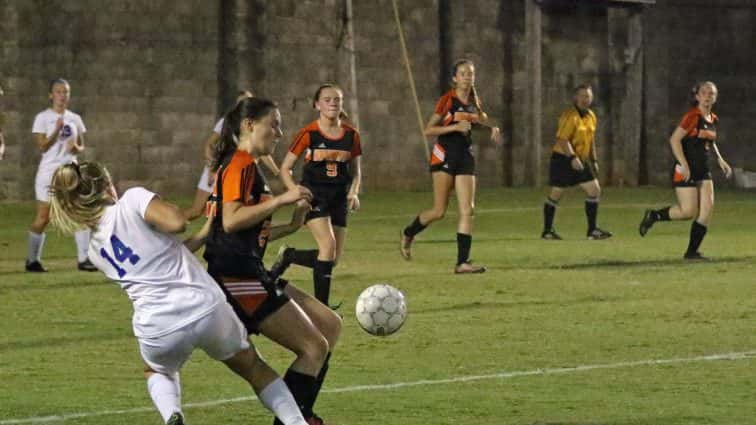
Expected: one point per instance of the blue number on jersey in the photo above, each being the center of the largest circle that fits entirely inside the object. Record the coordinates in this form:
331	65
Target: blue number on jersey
122	253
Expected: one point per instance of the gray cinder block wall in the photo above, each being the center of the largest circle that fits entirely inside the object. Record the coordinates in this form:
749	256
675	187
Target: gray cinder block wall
151	77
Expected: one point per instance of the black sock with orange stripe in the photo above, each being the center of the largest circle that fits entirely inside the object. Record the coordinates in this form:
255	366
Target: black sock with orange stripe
414	228
662	214
321	276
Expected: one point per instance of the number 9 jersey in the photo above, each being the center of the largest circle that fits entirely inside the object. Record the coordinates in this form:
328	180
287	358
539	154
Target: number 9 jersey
166	283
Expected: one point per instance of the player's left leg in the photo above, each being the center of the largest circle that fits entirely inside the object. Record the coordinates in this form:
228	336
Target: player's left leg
592	191
325	320
323	232
464	186
700	224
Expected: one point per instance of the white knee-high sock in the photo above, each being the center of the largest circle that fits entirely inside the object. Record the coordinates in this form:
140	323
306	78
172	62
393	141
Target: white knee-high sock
278	399
82	244
36	243
166	393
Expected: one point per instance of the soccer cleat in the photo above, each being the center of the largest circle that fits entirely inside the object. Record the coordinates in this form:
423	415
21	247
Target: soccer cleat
87	266
176	419
35	267
550	235
315	420
336	306
598	234
468	268
695	256
283	260
405	245
647	222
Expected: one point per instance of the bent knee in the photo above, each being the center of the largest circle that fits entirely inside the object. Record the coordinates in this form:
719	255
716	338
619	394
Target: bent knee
688	213
315	350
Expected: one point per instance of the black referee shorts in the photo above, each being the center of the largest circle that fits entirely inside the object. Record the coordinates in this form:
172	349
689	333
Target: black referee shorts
561	173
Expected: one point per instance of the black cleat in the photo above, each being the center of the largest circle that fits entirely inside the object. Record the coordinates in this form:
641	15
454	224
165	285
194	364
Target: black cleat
598	234
695	256
176	419
35	267
648	221
550	235
283	260
87	266
469	268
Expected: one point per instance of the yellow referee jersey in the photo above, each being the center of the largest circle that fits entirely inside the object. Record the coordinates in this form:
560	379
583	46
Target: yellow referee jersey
578	130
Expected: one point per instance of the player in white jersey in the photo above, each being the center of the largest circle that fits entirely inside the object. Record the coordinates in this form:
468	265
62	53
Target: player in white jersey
207	179
59	135
177	305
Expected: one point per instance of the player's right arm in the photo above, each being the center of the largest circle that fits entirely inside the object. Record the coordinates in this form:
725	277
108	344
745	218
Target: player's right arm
212	139
286	166
675	142
44	142
237	216
436	128
164	216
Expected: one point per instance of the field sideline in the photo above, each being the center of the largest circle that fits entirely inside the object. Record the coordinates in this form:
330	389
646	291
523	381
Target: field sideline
572	332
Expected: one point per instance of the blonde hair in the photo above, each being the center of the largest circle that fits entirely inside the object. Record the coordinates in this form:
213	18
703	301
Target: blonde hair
79	194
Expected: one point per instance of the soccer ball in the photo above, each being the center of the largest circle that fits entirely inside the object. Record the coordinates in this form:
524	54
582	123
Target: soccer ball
381	309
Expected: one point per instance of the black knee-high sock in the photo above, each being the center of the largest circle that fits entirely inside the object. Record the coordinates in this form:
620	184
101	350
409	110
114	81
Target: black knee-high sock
591	211
414	228
463	248
321	377
662	214
321	276
304	257
697	233
549	210
302	387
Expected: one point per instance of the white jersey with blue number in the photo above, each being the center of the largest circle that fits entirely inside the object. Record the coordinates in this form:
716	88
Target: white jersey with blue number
58	153
166	283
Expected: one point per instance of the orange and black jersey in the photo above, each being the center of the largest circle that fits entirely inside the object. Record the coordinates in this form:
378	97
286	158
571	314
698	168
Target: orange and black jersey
327	160
699	134
452	110
238	180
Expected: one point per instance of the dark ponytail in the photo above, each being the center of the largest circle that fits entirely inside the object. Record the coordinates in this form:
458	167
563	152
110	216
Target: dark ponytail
248	108
473	92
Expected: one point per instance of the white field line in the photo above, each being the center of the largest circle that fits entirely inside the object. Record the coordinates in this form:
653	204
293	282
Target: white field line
503	375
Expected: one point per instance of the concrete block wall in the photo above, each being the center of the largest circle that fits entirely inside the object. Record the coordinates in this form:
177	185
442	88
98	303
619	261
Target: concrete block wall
151	77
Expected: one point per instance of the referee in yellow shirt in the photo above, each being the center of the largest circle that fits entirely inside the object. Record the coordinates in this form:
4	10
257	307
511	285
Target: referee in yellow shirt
574	162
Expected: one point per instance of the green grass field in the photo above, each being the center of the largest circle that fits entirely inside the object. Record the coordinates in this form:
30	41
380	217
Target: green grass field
617	332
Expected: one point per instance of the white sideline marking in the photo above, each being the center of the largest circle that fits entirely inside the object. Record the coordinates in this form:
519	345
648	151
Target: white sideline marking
502	375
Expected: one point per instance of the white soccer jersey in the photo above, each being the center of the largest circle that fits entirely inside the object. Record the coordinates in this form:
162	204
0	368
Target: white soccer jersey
218	127
58	153
166	283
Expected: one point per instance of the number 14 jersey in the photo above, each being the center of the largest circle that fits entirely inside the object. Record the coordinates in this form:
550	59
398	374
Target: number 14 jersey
166	283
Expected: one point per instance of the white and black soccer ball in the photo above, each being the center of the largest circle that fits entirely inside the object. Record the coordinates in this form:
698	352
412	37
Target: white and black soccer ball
381	309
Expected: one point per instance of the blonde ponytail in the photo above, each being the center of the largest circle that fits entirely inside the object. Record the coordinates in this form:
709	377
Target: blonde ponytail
79	194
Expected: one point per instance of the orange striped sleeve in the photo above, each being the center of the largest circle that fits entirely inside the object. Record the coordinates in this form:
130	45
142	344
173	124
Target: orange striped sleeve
443	106
236	179
689	121
301	141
